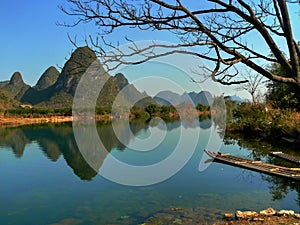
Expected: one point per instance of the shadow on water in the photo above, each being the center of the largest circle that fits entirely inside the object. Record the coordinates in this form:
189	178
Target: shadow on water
259	150
58	139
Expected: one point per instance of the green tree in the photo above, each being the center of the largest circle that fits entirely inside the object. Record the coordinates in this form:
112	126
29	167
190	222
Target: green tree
152	109
202	108
282	95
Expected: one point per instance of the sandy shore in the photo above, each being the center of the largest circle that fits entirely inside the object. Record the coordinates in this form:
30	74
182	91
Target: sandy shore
19	121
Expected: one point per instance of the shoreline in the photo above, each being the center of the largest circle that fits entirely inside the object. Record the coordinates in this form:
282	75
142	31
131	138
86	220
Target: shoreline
14	121
20	121
194	216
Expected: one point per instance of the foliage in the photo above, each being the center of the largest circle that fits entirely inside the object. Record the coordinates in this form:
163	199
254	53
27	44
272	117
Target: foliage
7	101
38	112
153	109
252	118
139	113
202	108
282	95
265	122
166	110
103	110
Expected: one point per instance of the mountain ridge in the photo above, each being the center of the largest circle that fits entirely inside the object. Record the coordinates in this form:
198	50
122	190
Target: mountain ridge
171	98
57	90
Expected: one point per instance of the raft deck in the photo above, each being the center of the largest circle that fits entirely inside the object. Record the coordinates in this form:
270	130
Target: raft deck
290	158
258	166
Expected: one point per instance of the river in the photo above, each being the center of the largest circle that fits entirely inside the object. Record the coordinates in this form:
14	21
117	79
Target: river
45	178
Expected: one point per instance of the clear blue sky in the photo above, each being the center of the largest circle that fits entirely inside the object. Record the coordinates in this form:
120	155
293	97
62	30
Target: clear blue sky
31	41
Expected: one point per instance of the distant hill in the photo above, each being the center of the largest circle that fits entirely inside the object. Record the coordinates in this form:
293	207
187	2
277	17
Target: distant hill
130	93
234	98
15	87
56	90
39	93
48	78
170	98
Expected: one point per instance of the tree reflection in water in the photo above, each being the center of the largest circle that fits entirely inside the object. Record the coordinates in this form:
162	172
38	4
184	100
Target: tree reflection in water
58	139
258	150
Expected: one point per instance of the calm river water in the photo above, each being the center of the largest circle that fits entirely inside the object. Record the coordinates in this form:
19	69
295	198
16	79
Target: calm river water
44	178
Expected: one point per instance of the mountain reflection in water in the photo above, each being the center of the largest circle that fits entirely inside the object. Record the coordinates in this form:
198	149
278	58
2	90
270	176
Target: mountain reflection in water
55	142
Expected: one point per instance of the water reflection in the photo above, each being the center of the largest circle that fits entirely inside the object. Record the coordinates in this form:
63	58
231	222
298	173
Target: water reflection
57	140
279	187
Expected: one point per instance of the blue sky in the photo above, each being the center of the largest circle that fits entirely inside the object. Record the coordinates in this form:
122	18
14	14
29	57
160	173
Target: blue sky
31	41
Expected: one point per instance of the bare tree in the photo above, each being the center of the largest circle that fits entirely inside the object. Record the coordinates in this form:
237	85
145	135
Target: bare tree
252	86
214	30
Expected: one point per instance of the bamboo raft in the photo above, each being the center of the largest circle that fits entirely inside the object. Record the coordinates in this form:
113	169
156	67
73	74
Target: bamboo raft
258	166
290	158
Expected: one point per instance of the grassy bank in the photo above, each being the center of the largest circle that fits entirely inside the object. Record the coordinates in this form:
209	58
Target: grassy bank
265	122
18	116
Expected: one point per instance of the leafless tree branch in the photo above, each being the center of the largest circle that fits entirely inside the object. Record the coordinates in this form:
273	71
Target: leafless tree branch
218	31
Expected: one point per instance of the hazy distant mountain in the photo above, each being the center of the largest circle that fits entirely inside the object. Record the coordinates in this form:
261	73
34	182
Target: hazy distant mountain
130	93
170	98
235	98
203	97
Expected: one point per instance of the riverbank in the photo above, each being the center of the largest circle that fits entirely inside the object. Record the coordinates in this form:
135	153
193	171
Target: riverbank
194	216
267	221
20	121
259	121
